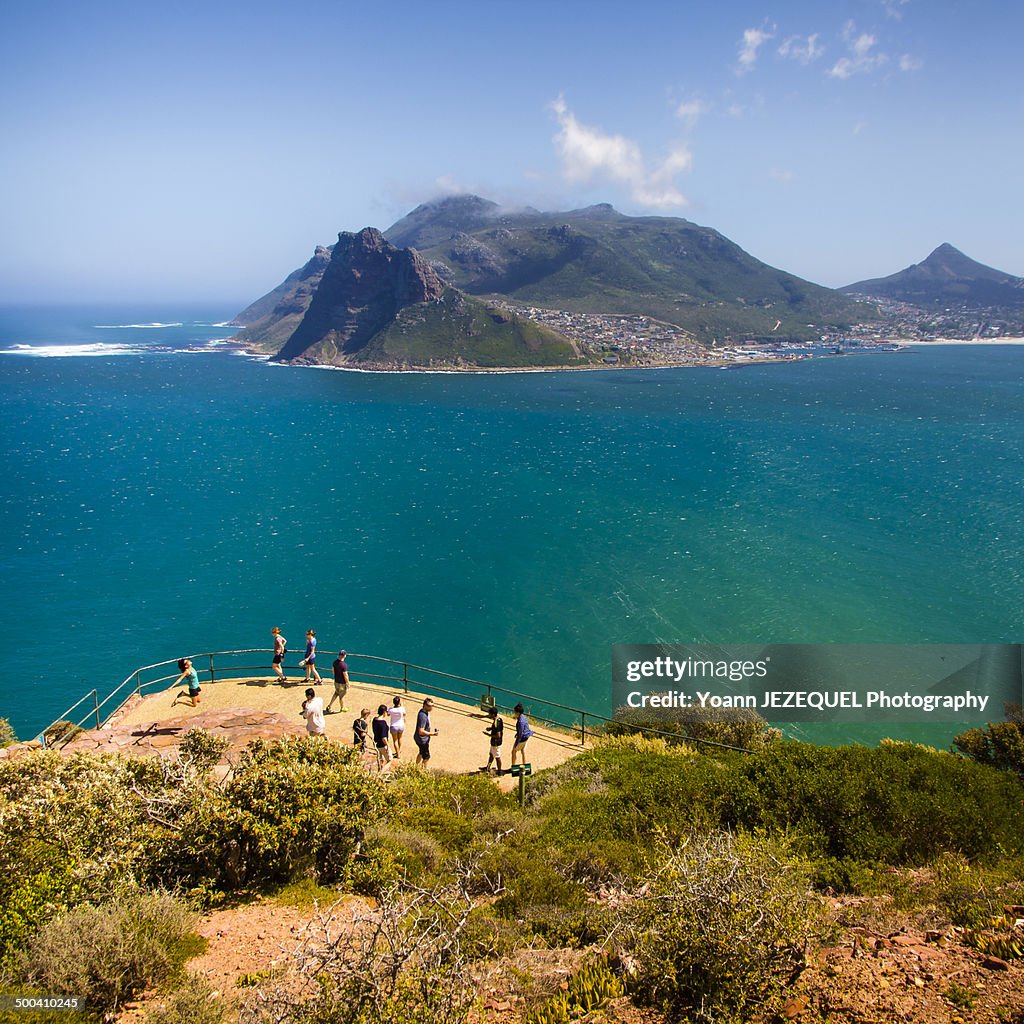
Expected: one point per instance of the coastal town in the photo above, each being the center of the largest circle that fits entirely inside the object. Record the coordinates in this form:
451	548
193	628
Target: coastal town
635	340
643	341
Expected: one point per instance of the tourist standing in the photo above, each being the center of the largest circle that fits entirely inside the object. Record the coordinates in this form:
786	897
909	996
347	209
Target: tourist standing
191	678
523	733
309	662
424	731
496	730
280	650
313	712
396	718
359	729
381	728
340	669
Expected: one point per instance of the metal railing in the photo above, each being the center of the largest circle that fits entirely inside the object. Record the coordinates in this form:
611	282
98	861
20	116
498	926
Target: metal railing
231	664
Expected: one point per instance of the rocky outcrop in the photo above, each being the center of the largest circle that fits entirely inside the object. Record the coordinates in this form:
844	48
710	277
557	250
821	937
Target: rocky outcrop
366	284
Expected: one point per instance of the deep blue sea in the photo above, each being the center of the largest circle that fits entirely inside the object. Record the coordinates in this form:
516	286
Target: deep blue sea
164	496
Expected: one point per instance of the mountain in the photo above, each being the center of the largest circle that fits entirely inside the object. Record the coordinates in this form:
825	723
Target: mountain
431	223
597	260
270	321
947	278
481	258
378	305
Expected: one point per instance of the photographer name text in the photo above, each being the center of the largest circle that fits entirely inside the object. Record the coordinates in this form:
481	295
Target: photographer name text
816	700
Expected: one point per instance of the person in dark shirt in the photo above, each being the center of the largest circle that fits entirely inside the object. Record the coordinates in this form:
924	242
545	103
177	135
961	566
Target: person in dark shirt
340	668
381	731
424	731
496	730
359	729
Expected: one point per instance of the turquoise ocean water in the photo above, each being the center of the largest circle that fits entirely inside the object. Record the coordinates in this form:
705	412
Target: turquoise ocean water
163	496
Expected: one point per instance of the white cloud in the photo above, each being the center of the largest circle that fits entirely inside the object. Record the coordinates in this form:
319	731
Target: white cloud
804	50
893	8
783	177
588	154
910	63
753	40
691	111
862	57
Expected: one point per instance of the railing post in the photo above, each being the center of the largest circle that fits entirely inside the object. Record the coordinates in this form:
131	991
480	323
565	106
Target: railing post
138	682
96	702
405	675
211	669
583	729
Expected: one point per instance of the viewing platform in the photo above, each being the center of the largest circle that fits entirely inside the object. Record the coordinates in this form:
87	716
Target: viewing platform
242	703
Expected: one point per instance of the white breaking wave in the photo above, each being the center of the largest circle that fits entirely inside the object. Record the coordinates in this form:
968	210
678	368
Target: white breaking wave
97	348
125	327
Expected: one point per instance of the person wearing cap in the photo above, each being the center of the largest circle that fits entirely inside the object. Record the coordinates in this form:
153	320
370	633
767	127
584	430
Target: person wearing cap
340	668
424	731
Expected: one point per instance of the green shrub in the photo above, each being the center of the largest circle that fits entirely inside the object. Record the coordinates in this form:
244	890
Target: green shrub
897	804
733	727
71	829
59	733
193	1003
466	796
109	953
488	935
717	928
374	872
629	792
1000	745
201	750
971	894
7	735
292	807
589	988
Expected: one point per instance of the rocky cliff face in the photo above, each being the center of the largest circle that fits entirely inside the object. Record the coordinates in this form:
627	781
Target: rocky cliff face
366	284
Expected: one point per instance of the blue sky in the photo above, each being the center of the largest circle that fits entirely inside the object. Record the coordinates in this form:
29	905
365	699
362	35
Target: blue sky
200	151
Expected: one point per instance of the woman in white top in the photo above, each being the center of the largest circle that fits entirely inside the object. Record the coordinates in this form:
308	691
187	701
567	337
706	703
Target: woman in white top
396	714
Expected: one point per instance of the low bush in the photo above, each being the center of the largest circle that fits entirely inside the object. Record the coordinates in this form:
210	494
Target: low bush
7	734
897	804
717	928
71	829
293	807
999	745
589	988
193	1003
703	727
109	953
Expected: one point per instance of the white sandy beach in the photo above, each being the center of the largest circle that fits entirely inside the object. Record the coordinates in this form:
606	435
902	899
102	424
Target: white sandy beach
964	341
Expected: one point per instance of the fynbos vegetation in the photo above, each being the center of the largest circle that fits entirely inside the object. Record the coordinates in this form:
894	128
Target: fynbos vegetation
686	881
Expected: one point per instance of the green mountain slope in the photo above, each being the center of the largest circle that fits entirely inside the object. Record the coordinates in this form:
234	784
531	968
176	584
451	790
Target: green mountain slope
378	305
593	261
597	260
947	277
461	331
